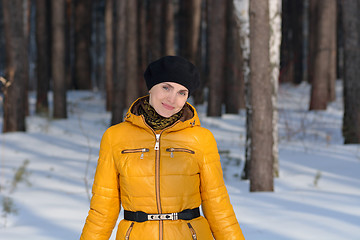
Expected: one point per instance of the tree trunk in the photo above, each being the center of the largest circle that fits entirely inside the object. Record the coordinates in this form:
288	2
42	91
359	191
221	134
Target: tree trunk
98	44
313	28
275	41
70	44
16	59
233	94
339	41
189	28
168	31
217	27
325	57
332	5
292	41
83	10
43	60
132	90
351	26
242	10
155	24
2	40
202	56
142	46
109	60
27	21
160	29
58	58
118	104
261	163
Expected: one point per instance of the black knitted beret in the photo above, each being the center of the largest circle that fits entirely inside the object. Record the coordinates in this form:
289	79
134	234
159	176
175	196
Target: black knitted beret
172	69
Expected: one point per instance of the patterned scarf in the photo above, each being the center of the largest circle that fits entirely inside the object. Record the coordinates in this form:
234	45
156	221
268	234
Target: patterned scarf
153	119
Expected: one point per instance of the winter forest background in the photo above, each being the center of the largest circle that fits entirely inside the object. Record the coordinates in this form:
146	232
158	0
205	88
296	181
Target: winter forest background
263	63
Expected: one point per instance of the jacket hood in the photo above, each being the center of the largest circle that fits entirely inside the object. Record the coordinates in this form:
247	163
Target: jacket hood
189	119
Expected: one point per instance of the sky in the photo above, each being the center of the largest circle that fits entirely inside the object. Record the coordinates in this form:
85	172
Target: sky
46	173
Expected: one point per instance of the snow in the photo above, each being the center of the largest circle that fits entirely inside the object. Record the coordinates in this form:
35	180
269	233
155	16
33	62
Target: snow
317	195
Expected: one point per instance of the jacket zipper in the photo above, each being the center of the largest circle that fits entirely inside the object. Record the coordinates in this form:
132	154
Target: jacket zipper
157	181
157	172
193	233
172	150
127	236
142	150
157	142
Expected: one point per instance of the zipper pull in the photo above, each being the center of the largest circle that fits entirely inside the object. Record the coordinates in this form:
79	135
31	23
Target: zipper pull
143	150
171	150
157	143
142	153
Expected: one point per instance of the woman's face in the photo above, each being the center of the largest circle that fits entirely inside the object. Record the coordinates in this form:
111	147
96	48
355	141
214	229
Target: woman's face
168	98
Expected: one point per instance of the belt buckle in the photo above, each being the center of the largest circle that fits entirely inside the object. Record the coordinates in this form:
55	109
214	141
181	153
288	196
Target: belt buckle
162	216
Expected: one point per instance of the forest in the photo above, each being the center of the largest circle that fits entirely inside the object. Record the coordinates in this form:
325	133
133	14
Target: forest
243	48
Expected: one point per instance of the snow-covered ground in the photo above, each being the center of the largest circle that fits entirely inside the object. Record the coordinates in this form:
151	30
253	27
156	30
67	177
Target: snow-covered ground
46	173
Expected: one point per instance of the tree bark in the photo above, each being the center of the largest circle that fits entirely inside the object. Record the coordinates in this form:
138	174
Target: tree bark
83	69
351	26
142	46
313	28
27	20
132	90
98	45
160	29
189	28
275	42
2	40
155	24
332	13
16	59
43	60
109	59
234	94
70	44
118	104
325	55
58	58
339	41
168	30
202	55
242	10
261	163
292	42
217	26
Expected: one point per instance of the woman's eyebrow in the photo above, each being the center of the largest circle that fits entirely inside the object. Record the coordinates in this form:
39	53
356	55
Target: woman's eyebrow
168	85
172	87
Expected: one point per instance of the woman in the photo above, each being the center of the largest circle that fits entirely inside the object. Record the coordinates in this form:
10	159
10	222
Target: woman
160	165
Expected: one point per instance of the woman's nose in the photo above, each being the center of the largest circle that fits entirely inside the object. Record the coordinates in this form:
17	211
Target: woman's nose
171	97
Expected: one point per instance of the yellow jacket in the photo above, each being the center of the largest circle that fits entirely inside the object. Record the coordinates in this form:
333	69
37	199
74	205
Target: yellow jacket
160	172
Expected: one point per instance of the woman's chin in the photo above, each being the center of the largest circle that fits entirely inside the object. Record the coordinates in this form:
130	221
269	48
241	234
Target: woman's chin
165	115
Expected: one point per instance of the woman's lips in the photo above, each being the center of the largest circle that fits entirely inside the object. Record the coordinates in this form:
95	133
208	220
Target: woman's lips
168	107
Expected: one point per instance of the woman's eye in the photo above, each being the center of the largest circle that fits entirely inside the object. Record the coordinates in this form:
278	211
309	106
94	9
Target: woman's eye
165	87
183	93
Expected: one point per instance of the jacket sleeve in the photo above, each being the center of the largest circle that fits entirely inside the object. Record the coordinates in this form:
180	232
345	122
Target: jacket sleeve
105	201
215	199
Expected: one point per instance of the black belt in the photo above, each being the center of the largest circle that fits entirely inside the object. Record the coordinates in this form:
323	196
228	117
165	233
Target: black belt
139	216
